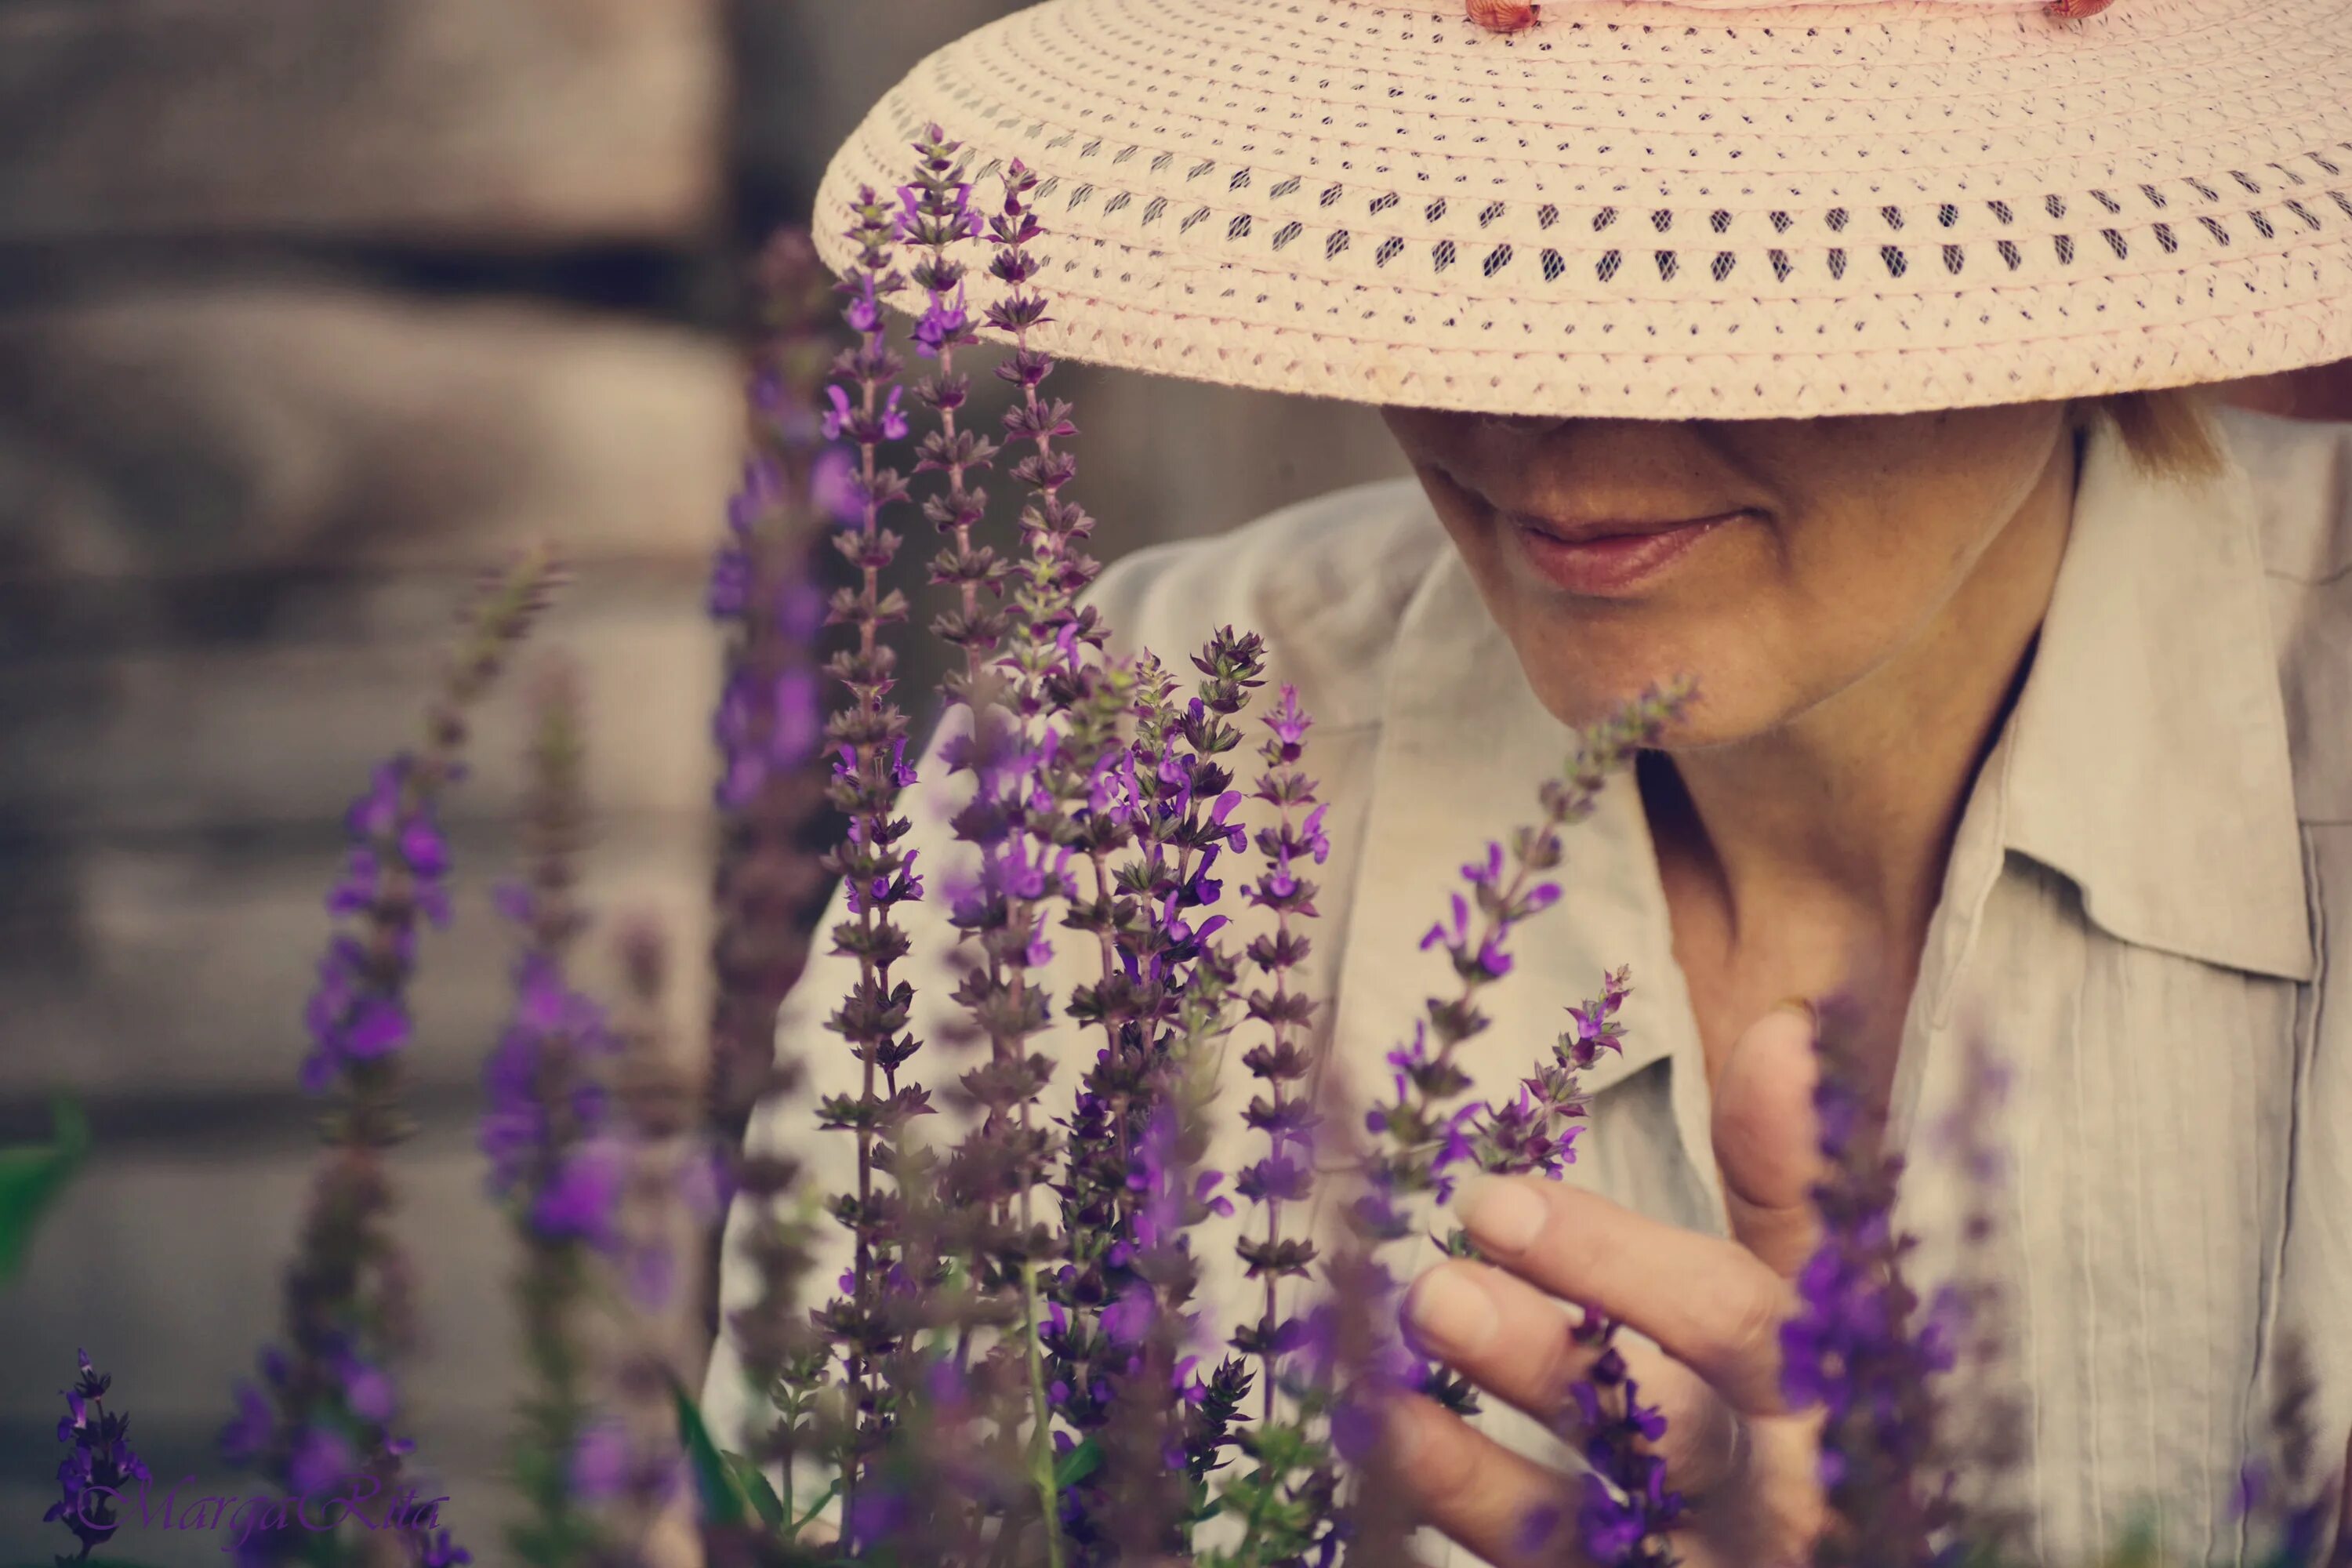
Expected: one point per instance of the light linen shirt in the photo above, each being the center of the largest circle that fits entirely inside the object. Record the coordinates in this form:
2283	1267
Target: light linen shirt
2144	905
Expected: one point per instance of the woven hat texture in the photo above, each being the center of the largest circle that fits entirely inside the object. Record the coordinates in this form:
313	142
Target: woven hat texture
1666	211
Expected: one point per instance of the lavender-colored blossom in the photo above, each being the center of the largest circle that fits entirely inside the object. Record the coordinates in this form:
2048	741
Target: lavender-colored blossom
322	1457
866	1324
600	1462
397	867
1858	1346
1536	1131
1423	1137
347	1290
249	1434
100	1465
1626	1511
538	1098
436	1551
580	1199
1424	1140
558	1159
766	881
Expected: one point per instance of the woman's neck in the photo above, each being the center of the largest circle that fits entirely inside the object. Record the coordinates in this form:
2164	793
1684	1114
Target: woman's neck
1829	836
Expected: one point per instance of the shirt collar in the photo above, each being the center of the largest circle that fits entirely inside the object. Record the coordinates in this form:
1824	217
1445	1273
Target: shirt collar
2145	760
2151	763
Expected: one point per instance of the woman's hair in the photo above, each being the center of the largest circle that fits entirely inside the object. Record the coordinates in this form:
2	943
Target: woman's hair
2169	433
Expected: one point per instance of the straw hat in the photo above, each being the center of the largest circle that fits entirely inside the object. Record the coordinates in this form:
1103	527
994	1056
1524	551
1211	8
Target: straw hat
1665	210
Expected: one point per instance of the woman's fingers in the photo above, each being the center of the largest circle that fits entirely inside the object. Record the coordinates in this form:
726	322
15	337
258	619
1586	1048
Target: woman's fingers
1501	1505
1500	1332
1513	1342
1711	1304
1767	1142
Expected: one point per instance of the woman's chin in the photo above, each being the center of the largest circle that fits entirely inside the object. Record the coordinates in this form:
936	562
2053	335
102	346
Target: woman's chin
1581	701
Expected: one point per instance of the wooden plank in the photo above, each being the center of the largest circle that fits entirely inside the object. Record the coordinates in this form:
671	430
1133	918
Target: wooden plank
277	422
52	620
200	739
508	122
124	1231
169	971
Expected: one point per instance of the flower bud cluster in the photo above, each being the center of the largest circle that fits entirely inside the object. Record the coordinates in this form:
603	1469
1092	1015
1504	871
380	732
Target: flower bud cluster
99	1466
797	487
558	1157
1424	1140
768	724
866	1322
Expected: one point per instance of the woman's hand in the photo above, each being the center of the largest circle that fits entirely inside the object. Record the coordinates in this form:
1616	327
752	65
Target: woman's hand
1747	1467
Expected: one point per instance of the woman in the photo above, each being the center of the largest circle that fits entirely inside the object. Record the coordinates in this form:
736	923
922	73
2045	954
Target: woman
1842	356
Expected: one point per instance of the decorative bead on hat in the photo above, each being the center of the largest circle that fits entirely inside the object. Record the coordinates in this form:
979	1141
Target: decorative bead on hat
1511	16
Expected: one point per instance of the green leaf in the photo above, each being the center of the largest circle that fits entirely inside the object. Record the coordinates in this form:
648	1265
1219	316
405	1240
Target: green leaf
831	1491
31	1178
1078	1464
753	1482
722	1499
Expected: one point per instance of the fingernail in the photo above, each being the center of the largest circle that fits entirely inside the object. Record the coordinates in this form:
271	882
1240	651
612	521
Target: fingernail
1451	1311
1801	1005
1503	1216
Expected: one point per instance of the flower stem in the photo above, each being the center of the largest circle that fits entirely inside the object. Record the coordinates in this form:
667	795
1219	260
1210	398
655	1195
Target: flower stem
1041	1441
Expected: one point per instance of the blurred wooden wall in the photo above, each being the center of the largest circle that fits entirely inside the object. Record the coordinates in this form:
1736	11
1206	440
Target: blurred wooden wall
308	313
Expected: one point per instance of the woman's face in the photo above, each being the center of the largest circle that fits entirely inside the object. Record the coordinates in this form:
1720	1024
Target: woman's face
1856	539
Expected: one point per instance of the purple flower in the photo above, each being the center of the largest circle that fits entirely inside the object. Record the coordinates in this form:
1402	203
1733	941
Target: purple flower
322	1458
1857	1346
1627	1512
1460	932
865	429
247	1437
580	1203
1423	1138
1490	872
397	867
100	1465
600	1462
535	1077
388	817
1129	1319
323	1398
833	485
436	1551
366	1390
941	325
766	727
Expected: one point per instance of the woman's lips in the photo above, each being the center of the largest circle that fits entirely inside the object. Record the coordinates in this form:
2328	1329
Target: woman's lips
1612	564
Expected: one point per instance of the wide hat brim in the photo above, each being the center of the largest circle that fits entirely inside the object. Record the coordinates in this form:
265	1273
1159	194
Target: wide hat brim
1662	211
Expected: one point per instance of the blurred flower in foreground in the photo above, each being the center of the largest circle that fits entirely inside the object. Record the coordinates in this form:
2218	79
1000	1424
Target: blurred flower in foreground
327	1400
1858	1346
553	1159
